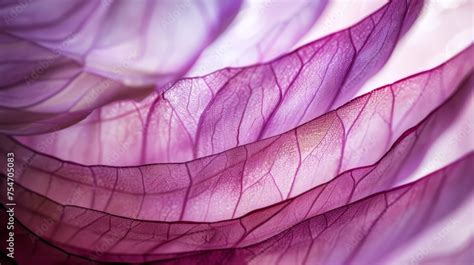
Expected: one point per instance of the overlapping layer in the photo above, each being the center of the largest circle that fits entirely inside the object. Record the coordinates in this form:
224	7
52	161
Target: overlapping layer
74	228
232	107
353	234
262	164
57	73
58	64
240	180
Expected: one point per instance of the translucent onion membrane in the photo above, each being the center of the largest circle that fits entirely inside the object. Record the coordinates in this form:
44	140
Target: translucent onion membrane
202	116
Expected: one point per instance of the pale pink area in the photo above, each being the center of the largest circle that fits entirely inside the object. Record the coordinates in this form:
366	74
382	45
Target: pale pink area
443	29
172	238
198	117
353	234
447	242
261	31
139	42
243	179
278	162
54	74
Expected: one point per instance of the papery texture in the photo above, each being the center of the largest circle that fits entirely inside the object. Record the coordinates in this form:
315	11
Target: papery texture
261	31
232	107
365	232
149	157
465	255
62	59
441	31
352	234
98	33
240	180
35	250
82	231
